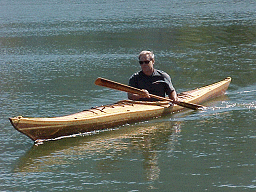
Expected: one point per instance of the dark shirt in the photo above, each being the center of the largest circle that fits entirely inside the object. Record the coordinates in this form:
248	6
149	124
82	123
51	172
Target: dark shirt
159	83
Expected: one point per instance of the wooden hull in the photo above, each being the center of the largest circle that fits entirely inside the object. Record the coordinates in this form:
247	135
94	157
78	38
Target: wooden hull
109	116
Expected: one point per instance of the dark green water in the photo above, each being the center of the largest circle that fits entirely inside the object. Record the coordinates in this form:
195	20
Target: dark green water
51	54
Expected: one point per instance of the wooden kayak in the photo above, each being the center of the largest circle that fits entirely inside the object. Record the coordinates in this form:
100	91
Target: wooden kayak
109	116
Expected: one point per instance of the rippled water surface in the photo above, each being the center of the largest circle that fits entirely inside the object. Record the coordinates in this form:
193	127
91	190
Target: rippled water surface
51	54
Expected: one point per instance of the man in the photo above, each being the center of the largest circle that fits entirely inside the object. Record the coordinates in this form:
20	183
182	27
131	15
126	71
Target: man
151	80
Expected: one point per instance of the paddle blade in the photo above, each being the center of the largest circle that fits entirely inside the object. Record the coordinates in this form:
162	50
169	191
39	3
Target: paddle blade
189	105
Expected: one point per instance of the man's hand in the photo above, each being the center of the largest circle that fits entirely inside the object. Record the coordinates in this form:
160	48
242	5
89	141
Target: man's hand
146	94
137	97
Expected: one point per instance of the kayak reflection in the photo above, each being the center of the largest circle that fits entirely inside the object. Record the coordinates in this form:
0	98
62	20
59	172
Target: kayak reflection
107	152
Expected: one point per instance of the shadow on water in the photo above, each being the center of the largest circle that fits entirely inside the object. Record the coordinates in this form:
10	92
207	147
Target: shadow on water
106	148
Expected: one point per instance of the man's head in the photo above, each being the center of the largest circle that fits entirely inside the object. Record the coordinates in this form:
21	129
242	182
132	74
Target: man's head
146	60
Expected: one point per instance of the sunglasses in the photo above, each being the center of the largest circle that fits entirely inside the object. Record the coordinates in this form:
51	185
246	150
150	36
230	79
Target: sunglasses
146	62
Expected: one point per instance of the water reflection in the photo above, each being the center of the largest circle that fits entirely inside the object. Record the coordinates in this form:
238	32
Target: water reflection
107	152
150	152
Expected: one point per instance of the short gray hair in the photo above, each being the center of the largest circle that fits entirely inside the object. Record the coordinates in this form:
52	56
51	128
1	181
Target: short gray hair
149	53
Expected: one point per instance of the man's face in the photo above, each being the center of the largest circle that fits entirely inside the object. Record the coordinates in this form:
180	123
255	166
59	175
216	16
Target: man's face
147	65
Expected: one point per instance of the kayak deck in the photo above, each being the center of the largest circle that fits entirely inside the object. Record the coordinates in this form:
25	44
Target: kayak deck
109	116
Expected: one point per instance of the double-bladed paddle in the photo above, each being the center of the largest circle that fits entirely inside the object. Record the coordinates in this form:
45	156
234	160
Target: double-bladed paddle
121	87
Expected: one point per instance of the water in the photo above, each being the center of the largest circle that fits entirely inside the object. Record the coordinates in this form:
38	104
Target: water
51	54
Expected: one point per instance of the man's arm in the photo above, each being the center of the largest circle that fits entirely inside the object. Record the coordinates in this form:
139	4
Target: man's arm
173	96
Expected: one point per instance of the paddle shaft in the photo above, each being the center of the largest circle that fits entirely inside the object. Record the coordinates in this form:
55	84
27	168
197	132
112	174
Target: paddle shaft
121	87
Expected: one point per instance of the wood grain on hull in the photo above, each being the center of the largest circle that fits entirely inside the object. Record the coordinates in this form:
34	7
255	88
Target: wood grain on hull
110	116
